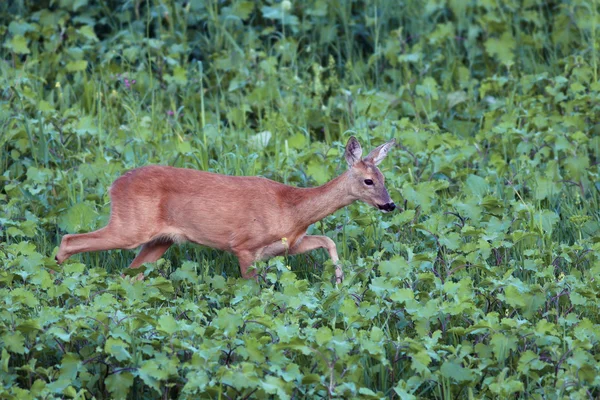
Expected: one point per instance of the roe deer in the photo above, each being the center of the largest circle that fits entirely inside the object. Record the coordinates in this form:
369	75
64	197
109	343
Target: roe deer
254	218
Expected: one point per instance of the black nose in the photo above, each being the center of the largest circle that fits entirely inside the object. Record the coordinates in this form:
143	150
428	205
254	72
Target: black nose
387	207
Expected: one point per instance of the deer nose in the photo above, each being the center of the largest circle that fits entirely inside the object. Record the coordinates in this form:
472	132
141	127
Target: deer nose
387	207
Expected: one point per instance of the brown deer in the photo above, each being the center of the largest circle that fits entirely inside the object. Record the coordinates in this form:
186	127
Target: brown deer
254	218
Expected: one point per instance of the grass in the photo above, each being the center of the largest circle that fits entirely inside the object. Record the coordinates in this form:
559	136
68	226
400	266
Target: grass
482	285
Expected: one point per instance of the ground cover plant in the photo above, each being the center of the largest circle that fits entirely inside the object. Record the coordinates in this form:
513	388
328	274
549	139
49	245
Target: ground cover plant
483	285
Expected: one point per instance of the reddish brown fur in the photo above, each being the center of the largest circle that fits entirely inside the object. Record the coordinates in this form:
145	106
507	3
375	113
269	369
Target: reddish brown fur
252	217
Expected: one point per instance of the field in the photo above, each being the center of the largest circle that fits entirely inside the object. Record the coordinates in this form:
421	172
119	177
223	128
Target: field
484	283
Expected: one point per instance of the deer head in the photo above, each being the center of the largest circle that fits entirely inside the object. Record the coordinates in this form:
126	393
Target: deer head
367	183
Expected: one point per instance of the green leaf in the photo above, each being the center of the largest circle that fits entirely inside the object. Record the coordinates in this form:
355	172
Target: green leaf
403	217
455	371
275	386
14	342
577	166
402	295
420	361
476	186
167	324
151	374
179	76
187	272
544	188
4	360
117	348
502	344
76	66
87	125
119	384
18	44
502	49
278	13
77	4
546	220
428	88
26	297
19	27
323	335
87	32
318	171
396	266
79	217
228	322
69	367
243	9
456	98
298	141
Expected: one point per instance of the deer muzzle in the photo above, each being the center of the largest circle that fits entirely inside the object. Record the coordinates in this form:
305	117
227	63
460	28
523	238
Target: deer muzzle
387	207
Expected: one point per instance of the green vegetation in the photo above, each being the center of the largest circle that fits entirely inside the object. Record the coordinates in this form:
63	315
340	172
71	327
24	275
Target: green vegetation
485	284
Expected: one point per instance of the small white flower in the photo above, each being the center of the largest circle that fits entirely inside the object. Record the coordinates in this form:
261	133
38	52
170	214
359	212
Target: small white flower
286	5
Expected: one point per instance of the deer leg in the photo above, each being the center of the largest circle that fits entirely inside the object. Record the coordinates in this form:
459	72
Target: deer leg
246	259
107	238
150	252
309	243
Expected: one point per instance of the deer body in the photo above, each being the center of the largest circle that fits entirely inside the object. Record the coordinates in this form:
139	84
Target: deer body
254	218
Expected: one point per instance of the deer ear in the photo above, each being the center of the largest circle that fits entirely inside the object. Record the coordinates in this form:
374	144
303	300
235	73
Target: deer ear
378	154
353	151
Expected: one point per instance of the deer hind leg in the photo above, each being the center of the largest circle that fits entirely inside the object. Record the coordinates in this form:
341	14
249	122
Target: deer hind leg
151	252
107	238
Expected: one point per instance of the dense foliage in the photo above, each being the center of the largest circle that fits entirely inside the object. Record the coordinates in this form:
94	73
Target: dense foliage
483	285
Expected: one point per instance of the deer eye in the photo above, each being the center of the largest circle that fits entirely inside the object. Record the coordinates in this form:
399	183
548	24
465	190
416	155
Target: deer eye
368	182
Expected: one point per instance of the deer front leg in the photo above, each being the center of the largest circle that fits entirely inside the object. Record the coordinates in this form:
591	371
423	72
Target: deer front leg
309	243
246	259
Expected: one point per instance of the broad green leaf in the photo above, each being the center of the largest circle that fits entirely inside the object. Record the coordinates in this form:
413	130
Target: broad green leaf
14	342
298	141
79	217
76	66
151	374
18	44
402	295
420	362
396	266
117	348
455	371
323	335
24	296
502	344
275	386
477	186
87	31
318	171
546	220
502	48
70	366
119	384
4	361
167	324
228	322
243	9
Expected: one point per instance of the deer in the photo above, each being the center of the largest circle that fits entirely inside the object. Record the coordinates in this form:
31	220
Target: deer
254	218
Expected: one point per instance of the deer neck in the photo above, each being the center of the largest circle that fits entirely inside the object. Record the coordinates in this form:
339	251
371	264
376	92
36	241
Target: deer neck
314	204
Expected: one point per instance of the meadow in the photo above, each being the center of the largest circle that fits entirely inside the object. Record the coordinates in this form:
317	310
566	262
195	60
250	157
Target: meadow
484	283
